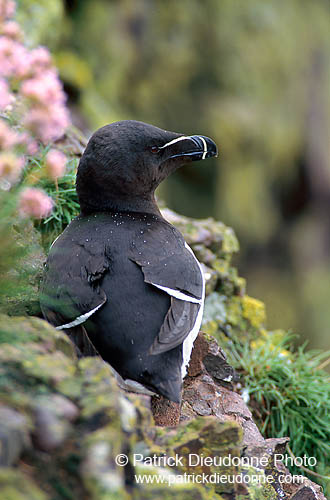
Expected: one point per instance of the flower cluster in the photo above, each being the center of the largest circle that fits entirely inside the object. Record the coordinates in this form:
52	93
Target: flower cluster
32	110
33	202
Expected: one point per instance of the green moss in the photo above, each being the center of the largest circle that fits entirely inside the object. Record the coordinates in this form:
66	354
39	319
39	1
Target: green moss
230	243
234	311
26	330
221	266
15	485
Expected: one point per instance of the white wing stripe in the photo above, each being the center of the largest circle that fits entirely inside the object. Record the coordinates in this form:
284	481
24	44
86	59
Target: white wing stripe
178	295
80	319
54	241
189	341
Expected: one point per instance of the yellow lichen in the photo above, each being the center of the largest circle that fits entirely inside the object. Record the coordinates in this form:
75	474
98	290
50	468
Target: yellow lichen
221	266
254	311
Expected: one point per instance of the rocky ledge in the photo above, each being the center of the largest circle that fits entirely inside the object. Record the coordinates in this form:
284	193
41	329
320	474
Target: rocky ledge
67	431
64	422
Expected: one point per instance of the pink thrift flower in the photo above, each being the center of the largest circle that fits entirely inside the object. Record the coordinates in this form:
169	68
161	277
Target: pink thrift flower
5	95
14	58
7	9
47	124
35	203
55	164
8	138
45	89
40	59
32	147
11	29
10	167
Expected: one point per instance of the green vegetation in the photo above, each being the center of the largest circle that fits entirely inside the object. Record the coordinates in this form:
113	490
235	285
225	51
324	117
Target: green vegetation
66	205
289	393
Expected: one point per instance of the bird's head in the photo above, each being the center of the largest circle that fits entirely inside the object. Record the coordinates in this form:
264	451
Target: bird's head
125	161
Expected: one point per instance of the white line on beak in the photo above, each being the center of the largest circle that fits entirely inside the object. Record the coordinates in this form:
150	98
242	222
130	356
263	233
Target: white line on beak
182	138
205	147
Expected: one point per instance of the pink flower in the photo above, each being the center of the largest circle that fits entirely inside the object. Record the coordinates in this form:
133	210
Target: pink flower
5	96
55	164
14	58
10	167
45	89
47	124
48	117
32	147
35	203
7	9
11	29
40	59
8	138
39	93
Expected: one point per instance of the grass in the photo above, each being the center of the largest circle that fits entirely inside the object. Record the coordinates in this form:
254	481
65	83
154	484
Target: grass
289	394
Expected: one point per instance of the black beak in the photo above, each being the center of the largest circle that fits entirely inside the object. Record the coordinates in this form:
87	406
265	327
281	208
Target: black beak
194	147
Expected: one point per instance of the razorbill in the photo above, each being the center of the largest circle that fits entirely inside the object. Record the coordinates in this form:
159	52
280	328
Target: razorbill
120	277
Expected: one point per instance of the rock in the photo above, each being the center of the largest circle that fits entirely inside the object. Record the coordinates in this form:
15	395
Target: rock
52	417
67	421
204	393
305	493
14	435
101	476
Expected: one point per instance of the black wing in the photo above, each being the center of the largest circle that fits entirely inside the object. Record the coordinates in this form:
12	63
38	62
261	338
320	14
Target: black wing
168	264
71	286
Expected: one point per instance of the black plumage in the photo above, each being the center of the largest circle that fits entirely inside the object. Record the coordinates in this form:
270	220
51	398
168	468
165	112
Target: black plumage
120	277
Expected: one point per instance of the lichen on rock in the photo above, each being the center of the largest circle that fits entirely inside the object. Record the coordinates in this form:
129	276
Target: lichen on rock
64	420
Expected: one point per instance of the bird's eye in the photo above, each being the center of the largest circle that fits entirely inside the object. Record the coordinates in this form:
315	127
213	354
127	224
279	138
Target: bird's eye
154	149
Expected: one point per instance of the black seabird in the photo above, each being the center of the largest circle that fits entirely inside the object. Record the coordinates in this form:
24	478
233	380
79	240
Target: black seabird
120	276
